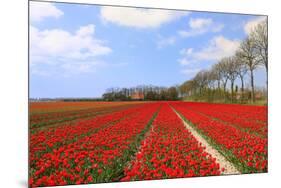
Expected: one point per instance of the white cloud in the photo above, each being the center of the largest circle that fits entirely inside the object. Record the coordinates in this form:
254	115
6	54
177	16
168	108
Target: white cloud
200	23
139	17
186	51
61	43
200	26
216	49
86	30
41	10
80	67
184	61
250	25
162	42
71	51
190	71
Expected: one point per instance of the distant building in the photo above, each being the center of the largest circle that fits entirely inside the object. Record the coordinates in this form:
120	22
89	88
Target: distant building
258	96
238	96
137	96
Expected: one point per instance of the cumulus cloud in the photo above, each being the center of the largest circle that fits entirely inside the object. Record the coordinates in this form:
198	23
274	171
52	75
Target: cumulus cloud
184	61
139	17
200	26
186	51
41	10
200	23
162	42
217	48
250	25
70	51
60	43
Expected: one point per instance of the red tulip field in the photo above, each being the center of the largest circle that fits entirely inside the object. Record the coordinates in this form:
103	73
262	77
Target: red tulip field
95	142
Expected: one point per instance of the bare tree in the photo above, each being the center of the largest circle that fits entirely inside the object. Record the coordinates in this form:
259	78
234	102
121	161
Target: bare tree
221	66
211	79
216	74
247	55
201	79
241	71
211	84
231	69
187	88
260	37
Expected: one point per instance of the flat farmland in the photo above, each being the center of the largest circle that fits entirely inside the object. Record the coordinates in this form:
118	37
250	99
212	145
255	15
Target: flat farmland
94	142
44	114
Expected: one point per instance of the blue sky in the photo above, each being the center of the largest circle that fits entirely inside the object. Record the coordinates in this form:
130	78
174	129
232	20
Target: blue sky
81	50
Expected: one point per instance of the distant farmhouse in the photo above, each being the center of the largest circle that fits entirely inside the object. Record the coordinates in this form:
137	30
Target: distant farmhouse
137	96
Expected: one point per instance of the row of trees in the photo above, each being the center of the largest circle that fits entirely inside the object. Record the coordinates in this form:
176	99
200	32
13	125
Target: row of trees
144	92
252	53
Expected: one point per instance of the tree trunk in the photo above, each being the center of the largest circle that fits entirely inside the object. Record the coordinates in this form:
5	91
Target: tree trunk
266	82
253	87
232	83
224	90
242	88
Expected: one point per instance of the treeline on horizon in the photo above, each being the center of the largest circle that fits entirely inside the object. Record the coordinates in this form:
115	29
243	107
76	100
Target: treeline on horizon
145	92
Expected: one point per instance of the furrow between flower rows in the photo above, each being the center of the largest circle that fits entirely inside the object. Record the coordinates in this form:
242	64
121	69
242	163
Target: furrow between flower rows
170	151
236	117
248	152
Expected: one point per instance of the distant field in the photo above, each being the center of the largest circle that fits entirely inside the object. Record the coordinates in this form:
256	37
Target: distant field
44	107
92	142
44	114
